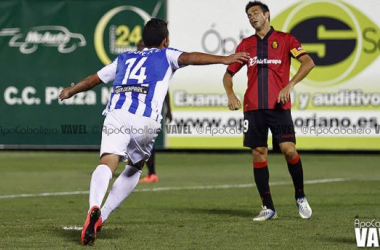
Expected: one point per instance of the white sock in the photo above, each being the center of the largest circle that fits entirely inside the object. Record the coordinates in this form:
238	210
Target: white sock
121	189
99	184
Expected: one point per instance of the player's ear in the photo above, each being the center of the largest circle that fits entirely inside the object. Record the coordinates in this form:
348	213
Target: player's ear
165	42
267	15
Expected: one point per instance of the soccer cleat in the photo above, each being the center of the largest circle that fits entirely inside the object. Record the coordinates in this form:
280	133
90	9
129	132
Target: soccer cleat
91	226
266	214
150	178
100	225
304	208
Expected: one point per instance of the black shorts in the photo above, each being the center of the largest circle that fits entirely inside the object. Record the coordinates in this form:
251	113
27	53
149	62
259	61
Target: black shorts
257	123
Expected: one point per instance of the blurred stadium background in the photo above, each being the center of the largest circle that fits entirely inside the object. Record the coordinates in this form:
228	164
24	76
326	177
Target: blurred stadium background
49	148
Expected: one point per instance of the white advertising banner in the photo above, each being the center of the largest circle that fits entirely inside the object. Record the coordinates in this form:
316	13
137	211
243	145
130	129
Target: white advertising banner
335	107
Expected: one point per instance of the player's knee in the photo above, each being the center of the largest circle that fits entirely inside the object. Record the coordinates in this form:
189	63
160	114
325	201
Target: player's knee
139	165
288	149
260	154
131	170
110	160
290	153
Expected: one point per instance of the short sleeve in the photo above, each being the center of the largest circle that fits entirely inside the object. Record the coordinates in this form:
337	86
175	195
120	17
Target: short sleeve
172	56
108	73
232	69
296	49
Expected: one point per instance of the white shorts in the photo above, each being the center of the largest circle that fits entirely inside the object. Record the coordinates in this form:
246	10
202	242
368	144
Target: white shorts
129	136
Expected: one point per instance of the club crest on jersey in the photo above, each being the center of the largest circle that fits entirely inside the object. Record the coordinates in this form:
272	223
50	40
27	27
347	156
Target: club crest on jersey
274	44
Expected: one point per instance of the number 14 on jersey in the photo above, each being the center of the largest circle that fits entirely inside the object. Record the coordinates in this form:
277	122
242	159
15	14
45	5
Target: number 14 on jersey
134	70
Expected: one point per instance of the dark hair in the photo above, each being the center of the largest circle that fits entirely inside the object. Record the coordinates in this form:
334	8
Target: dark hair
155	31
263	7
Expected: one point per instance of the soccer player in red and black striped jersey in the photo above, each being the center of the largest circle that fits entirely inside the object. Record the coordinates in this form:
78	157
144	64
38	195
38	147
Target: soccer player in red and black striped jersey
267	102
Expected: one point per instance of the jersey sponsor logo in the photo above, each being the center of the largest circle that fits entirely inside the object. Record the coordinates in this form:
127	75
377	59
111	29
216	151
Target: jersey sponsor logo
254	60
341	40
132	88
120	29
47	36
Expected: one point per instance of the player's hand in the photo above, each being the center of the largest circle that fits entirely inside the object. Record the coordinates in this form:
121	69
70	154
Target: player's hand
240	57
65	93
233	102
284	95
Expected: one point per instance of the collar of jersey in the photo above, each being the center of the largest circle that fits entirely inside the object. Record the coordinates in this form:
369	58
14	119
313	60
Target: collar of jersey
267	35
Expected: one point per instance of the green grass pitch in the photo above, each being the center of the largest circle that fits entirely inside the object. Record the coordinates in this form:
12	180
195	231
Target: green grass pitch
202	204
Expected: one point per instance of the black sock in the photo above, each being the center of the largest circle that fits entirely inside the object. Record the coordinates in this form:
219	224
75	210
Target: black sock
150	163
295	170
261	174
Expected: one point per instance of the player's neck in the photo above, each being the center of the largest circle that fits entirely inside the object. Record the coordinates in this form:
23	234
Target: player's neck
159	47
264	31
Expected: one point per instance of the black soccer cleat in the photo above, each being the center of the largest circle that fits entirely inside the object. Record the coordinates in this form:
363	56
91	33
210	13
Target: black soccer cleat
92	223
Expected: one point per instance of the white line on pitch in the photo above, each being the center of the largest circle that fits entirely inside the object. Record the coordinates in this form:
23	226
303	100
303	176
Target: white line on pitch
161	189
42	194
73	228
79	228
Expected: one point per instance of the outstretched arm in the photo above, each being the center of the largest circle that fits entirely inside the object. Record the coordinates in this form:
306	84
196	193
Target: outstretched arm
83	85
307	65
197	58
233	101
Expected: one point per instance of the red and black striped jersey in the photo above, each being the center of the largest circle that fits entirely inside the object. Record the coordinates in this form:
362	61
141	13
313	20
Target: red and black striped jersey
268	68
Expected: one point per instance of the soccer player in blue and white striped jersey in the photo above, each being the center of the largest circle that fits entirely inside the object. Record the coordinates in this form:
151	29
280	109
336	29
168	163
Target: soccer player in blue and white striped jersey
140	83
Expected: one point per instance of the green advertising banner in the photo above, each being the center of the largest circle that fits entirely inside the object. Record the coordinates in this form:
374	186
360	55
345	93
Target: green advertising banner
45	46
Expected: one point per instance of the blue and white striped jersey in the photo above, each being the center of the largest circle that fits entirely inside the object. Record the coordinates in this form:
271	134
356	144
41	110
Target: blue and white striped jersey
141	80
